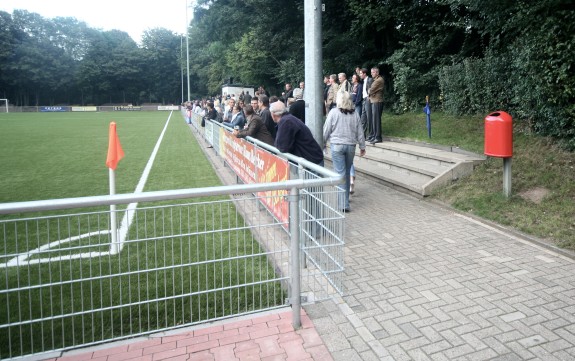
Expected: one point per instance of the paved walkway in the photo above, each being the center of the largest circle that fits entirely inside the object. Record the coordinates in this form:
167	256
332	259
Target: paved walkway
422	283
425	283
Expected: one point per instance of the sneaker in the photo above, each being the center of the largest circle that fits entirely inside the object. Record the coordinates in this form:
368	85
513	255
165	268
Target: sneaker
352	188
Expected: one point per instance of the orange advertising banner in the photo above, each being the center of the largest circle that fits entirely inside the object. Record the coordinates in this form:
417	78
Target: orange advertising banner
240	156
274	169
253	165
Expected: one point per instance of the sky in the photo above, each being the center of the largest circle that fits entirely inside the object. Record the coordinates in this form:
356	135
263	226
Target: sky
131	16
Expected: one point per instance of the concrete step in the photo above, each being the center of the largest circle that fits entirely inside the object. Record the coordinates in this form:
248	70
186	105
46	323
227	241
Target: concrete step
415	167
407	161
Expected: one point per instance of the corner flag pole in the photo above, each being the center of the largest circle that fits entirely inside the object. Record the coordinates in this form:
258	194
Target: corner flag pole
115	153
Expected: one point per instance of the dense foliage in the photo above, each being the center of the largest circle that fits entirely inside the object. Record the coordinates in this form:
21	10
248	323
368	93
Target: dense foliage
63	61
469	56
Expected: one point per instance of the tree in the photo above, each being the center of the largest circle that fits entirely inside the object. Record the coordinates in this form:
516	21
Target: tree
253	38
161	70
10	36
111	70
38	68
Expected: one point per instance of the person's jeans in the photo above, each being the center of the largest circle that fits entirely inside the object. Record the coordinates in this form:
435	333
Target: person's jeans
342	159
358	109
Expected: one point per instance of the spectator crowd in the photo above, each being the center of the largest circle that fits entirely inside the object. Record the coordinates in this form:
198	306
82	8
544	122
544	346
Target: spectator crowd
353	109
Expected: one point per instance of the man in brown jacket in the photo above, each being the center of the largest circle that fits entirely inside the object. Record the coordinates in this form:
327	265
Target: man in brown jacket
376	100
331	93
255	127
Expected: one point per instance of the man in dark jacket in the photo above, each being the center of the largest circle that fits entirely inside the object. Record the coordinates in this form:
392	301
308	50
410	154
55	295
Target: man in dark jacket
293	136
366	111
297	109
288	93
264	104
237	119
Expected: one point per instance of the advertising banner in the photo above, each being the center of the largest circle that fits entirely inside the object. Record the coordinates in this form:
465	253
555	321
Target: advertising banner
240	156
273	169
84	109
197	120
168	107
253	165
209	133
55	109
128	108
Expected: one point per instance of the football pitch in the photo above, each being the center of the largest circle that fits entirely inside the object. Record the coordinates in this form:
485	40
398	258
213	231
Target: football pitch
63	155
175	269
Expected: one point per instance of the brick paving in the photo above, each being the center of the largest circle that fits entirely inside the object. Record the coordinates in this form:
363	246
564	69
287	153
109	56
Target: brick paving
425	283
266	337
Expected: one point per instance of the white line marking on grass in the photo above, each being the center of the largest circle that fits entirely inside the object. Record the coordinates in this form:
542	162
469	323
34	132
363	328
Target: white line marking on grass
129	213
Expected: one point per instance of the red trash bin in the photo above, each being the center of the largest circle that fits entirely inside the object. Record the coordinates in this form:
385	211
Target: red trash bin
499	135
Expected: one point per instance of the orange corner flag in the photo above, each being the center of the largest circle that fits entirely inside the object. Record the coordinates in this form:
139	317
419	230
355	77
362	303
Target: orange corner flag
115	152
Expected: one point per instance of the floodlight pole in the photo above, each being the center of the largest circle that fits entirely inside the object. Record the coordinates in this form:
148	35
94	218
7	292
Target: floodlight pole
313	68
182	66
187	49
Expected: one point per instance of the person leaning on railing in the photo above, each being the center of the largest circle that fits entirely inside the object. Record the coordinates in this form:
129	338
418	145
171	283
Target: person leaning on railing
211	114
254	127
237	120
293	136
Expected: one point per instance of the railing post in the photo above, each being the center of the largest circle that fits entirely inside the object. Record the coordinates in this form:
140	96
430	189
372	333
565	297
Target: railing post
294	203
301	175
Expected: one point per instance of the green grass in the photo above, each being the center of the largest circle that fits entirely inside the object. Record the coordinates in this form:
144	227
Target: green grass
55	155
49	156
537	163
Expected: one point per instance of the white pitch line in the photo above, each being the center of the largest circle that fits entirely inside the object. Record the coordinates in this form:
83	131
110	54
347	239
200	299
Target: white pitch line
129	213
130	210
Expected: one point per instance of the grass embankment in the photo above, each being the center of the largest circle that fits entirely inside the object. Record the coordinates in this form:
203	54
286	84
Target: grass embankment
542	203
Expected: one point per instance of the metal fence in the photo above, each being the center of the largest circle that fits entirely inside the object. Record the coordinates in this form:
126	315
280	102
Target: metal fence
188	256
322	222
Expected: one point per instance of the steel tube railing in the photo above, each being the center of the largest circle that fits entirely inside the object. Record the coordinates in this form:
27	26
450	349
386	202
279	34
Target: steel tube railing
294	204
302	244
67	203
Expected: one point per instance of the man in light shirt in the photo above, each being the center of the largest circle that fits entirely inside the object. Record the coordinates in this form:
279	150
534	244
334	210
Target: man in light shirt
366	111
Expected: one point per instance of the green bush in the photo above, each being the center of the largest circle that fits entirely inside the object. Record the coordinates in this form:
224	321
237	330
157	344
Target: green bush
411	83
531	78
476	86
509	81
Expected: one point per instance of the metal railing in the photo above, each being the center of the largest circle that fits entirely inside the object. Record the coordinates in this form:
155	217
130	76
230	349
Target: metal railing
319	204
211	253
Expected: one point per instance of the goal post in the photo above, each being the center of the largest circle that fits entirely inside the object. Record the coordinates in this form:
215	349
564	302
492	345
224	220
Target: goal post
4	108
